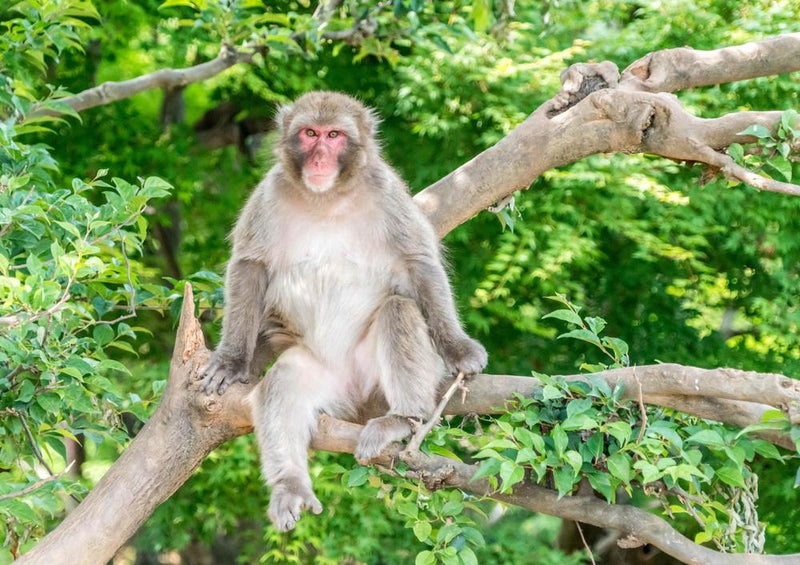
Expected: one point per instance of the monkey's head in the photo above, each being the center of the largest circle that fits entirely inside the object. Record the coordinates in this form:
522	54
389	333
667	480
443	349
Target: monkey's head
327	138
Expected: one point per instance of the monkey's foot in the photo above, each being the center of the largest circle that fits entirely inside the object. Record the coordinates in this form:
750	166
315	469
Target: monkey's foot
288	499
220	373
378	434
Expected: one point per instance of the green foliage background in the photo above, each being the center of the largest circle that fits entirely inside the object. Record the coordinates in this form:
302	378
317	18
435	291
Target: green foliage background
704	275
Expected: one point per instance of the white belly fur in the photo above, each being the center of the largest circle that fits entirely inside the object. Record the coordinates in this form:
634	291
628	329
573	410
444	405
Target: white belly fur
328	279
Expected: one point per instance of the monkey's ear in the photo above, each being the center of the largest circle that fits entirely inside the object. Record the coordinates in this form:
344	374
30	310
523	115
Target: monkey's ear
282	117
371	122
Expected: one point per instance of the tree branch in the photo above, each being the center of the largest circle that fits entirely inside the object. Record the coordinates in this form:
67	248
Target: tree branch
188	424
596	113
112	91
638	525
678	69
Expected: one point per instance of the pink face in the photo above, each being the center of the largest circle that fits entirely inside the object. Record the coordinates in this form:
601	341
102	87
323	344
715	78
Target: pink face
321	146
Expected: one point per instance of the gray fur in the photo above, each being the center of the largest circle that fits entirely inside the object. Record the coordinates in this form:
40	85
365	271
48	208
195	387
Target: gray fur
347	288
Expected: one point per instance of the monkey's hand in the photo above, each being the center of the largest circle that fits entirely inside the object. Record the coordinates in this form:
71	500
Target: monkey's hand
464	355
221	372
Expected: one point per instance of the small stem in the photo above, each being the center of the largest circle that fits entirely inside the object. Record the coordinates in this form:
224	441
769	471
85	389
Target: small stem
35	485
419	435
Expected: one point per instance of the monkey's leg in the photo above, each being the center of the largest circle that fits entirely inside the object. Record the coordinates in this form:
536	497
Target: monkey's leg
409	371
285	406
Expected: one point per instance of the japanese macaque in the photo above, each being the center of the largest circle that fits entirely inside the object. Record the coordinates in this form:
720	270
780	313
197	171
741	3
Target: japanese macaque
337	275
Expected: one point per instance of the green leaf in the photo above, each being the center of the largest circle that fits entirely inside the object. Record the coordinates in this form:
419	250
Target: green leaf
178	3
710	438
155	187
564	480
797	478
583	335
766	449
736	151
488	468
565	315
481	14
560	440
649	471
50	402
788	119
731	475
702	537
601	482
783	166
619	430
107	364
422	530
579	422
574	460
448	532
357	477
425	558
102	334
549	392
510	474
468	556
756	130
619	465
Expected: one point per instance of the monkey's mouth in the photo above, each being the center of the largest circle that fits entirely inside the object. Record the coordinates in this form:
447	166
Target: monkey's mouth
319	182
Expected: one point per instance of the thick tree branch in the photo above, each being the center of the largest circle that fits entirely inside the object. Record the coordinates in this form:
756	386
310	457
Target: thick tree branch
638	525
188	424
597	114
164	78
678	69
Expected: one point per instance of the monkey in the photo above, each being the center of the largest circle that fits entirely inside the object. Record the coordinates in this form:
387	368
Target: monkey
336	276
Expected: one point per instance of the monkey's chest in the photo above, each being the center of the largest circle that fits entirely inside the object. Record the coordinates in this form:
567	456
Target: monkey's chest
327	289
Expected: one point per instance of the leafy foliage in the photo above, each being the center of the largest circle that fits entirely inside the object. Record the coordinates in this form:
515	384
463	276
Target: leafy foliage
698	274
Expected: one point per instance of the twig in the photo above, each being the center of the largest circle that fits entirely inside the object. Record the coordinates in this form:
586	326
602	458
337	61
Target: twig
642	409
422	431
34	446
131	297
585	544
36	485
734	171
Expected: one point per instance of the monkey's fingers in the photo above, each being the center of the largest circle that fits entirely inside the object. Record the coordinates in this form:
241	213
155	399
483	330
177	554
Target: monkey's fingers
213	378
314	505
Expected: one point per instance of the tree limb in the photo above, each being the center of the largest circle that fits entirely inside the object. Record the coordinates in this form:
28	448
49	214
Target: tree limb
678	69
596	113
188	424
637	524
112	91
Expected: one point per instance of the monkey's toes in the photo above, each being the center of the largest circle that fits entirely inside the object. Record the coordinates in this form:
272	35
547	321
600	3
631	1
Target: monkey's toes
286	505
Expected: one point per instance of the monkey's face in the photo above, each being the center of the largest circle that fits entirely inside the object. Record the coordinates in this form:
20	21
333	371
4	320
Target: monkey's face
323	149
327	139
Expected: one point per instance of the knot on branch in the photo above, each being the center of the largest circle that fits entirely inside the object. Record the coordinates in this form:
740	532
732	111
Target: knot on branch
438	478
629	542
580	80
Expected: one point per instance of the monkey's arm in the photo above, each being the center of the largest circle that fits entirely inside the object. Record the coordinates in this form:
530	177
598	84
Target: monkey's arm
245	293
431	290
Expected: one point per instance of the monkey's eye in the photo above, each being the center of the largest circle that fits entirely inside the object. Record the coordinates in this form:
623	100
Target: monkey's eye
311	133
333	134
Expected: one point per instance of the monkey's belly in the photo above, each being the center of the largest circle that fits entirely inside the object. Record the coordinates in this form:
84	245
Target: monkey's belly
330	304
